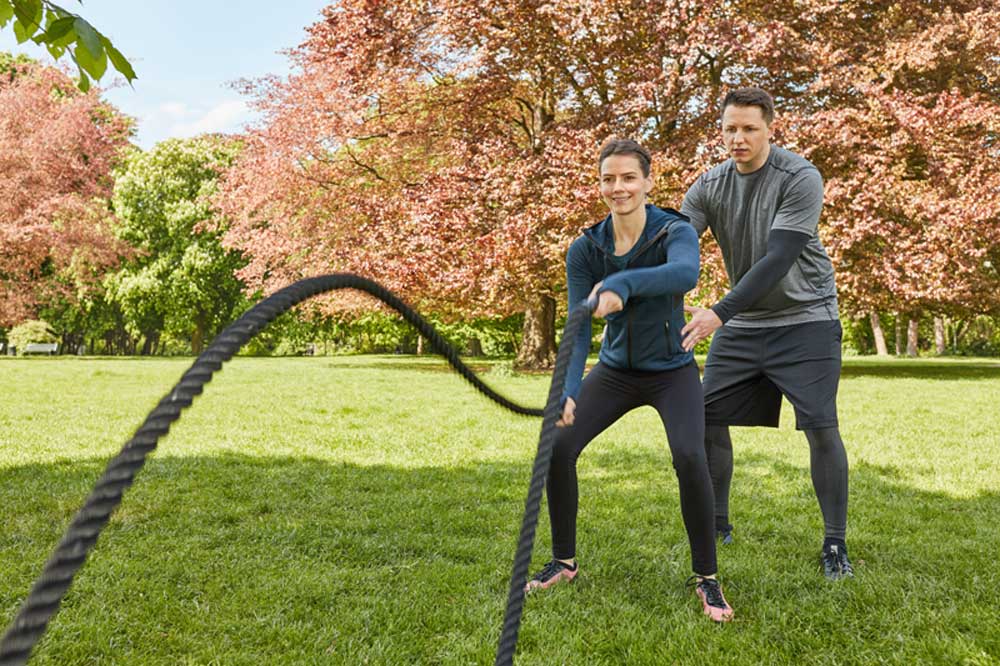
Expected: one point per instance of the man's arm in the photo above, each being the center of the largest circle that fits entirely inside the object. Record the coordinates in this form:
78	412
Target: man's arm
693	207
783	248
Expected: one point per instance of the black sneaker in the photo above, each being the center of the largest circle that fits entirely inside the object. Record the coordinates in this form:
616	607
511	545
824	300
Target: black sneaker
836	565
553	572
725	535
712	602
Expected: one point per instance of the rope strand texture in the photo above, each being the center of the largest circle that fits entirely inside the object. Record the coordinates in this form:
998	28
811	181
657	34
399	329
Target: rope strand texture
69	555
515	595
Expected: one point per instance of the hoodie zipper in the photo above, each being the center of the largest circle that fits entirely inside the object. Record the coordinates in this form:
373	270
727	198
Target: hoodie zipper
628	322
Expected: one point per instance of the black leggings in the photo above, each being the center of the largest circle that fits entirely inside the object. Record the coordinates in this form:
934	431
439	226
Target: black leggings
827	462
608	394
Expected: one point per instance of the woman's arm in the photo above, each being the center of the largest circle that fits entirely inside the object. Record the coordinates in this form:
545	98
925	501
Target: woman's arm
677	276
579	282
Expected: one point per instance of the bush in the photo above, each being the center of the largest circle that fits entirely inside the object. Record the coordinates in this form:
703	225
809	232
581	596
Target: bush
28	332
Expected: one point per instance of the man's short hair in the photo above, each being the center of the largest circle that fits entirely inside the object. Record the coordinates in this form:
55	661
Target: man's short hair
751	97
627	147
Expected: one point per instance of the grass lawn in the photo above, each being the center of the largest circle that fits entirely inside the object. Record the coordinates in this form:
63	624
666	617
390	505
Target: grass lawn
364	510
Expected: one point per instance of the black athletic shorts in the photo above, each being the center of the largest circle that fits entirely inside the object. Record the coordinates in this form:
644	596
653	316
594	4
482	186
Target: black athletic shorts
749	369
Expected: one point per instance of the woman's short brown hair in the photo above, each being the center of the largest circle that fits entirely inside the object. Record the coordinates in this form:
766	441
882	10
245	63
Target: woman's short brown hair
627	147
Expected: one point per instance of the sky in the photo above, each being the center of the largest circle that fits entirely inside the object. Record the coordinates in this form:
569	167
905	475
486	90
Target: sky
185	55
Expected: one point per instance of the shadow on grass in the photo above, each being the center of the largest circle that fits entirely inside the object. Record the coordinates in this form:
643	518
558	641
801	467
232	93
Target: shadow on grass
234	559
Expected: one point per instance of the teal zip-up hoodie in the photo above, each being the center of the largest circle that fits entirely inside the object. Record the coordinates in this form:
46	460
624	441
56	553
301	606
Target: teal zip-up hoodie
645	334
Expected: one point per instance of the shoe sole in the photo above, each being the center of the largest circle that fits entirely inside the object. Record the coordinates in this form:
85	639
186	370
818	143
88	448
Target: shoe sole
838	575
534	585
717	615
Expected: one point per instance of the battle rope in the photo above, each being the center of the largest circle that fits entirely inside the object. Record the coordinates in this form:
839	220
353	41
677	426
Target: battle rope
48	591
515	596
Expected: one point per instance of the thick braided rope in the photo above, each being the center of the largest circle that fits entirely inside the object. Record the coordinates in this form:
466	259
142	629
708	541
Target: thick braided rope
48	591
515	596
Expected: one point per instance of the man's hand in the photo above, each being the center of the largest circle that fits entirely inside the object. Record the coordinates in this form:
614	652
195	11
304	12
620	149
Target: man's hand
607	302
568	415
703	323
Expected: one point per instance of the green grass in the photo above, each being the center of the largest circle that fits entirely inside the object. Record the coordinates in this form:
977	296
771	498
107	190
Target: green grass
365	510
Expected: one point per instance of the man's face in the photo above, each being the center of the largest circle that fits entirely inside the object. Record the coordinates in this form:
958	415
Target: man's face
747	136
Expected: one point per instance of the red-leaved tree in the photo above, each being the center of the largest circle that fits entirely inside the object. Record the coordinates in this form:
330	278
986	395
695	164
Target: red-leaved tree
903	119
57	149
448	149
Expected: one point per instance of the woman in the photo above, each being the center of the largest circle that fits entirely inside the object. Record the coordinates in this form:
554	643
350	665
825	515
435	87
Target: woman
637	263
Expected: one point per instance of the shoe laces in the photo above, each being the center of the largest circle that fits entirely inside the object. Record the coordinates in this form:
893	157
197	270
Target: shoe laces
835	558
711	588
551	568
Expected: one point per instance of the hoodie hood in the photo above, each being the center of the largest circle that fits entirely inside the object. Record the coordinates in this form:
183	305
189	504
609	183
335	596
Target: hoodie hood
602	234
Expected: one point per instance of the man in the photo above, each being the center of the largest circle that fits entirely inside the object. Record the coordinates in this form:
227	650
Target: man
778	331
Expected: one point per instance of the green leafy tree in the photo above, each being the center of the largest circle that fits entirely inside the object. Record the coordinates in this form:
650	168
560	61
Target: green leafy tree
182	280
62	32
30	331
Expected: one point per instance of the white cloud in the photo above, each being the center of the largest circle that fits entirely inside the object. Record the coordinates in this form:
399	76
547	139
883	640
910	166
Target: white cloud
175	110
227	116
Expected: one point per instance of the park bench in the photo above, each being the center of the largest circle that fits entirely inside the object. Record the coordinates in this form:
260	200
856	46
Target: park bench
41	348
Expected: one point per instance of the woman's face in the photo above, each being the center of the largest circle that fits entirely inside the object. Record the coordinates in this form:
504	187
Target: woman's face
623	187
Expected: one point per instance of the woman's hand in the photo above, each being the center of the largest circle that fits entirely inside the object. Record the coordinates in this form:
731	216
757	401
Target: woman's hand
607	301
569	412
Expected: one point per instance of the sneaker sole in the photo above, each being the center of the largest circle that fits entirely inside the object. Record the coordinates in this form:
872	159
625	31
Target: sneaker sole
534	585
718	615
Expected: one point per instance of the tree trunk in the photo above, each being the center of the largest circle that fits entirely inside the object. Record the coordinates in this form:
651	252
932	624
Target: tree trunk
911	338
198	339
880	347
939	343
474	347
899	334
420	345
538	338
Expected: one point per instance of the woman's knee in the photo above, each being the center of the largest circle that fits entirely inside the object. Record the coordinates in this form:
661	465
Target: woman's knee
689	461
565	450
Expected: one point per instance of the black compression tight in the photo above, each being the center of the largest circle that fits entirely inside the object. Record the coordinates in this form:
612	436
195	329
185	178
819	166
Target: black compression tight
605	396
827	462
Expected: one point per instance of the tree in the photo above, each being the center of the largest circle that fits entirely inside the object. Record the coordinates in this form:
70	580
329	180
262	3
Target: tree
182	280
448	149
61	31
905	125
57	148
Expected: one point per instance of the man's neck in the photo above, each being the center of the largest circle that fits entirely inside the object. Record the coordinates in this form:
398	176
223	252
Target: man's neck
750	167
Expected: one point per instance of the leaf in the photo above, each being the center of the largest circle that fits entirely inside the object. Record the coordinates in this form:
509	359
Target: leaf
84	83
57	29
93	66
29	13
20	32
55	51
88	37
6	12
118	60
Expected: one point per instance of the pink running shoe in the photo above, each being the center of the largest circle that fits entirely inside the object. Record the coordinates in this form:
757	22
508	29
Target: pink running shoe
710	593
553	572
